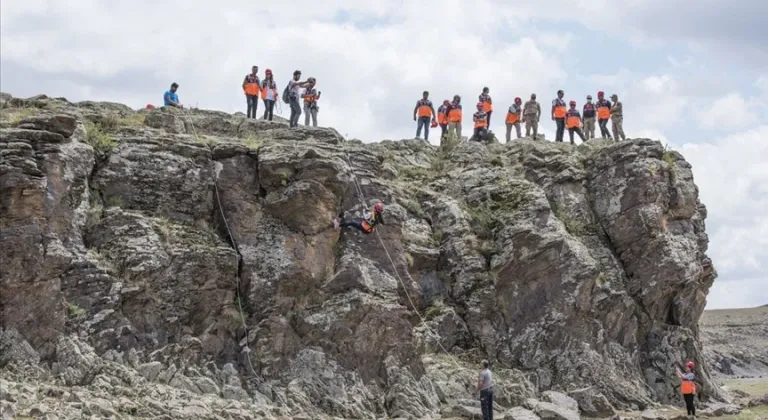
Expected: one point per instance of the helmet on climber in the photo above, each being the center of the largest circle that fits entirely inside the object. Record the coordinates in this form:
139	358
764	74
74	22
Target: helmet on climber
378	207
690	365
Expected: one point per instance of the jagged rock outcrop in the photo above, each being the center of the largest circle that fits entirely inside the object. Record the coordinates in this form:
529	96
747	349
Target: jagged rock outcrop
580	270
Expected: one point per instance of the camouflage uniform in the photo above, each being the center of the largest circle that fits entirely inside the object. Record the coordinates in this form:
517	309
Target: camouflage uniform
617	119
531	115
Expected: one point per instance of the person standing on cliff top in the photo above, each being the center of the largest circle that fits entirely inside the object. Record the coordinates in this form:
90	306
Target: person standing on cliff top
617	118
269	93
487	102
252	89
688	388
531	115
294	97
423	113
311	96
558	115
171	98
485	388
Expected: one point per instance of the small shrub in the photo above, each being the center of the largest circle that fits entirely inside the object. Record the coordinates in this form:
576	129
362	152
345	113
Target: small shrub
574	227
74	310
482	220
409	259
102	143
16	115
600	279
434	310
253	141
164	227
414	207
413	172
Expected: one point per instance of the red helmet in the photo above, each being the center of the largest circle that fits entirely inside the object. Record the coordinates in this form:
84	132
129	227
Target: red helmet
572	103
600	94
378	207
690	365
268	71
479	104
518	100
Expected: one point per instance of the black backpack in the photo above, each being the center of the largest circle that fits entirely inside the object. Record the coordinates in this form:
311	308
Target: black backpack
286	94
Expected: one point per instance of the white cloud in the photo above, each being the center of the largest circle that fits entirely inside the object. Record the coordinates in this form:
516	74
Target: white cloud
730	112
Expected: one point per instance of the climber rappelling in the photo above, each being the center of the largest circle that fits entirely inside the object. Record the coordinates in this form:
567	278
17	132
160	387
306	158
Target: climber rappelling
366	224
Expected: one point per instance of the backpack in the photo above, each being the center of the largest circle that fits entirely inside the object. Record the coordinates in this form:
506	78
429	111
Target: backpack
286	94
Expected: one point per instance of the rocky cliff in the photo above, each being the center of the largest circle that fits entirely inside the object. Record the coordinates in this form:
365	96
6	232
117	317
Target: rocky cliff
160	263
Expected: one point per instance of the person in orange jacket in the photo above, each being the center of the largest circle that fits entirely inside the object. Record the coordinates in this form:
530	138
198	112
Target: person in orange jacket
487	102
423	112
688	387
603	114
573	122
558	115
269	94
455	114
252	89
513	118
442	117
480	118
311	96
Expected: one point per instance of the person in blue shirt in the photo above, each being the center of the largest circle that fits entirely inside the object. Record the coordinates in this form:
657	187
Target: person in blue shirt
170	98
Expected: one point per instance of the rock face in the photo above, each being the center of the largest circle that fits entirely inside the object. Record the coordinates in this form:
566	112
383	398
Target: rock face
188	258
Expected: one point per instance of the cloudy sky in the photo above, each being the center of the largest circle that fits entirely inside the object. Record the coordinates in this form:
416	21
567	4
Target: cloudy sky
691	73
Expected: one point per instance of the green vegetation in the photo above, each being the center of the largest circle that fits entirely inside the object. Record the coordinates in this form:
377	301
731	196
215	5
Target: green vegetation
435	309
413	172
206	139
112	122
74	310
414	207
756	387
164	227
15	115
409	259
252	141
102	143
573	226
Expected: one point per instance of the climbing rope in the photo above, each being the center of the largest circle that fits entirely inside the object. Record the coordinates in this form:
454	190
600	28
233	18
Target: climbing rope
237	251
361	197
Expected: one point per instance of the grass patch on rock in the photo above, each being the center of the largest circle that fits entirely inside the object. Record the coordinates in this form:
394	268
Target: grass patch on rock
74	310
97	137
14	116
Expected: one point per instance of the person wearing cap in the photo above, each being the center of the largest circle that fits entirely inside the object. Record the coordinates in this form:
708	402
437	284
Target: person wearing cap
513	118
423	113
442	118
269	94
617	118
603	114
573	122
558	115
480	120
171	98
311	96
531	114
487	102
485	388
455	115
588	117
688	388
294	97
252	89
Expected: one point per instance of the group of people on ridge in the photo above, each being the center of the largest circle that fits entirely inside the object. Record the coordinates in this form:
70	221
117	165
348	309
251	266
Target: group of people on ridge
254	89
449	116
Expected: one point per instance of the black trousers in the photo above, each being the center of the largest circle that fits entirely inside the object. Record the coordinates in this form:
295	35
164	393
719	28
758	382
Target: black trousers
479	133
269	107
489	118
689	404
604	129
576	130
486	403
253	104
356	223
560	129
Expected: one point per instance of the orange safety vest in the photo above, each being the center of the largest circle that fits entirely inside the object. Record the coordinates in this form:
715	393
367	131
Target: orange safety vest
512	118
487	102
267	85
573	119
310	96
424	108
687	387
442	118
603	110
560	110
251	85
454	113
483	119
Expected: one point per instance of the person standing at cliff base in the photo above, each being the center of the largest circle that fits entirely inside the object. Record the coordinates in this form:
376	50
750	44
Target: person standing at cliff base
485	388
269	94
513	118
311	96
171	98
688	388
423	113
617	118
531	114
588	114
558	115
252	89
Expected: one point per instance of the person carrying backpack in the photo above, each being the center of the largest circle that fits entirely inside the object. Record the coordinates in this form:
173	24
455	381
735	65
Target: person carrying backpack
292	96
